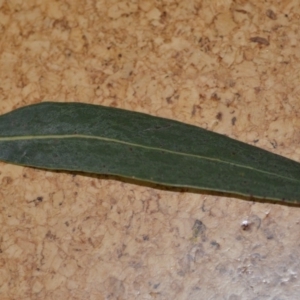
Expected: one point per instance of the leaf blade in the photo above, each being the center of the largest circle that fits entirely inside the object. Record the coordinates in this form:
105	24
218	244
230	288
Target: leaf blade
105	140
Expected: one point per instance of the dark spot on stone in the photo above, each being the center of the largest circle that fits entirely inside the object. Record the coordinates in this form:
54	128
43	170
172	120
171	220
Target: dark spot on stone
215	244
242	11
155	286
198	228
40	199
246	226
195	108
219	116
50	235
233	120
269	234
270	14
169	100
215	96
257	90
163	16
260	40
274	144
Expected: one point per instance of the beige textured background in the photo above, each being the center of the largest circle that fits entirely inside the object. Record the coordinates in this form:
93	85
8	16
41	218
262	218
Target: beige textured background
229	66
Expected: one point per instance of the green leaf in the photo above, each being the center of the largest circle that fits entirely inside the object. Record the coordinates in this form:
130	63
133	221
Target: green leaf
104	140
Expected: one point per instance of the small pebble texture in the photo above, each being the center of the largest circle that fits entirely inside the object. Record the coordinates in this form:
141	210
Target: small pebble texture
228	66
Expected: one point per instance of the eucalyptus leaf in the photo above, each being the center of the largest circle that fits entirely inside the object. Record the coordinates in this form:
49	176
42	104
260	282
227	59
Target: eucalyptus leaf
105	140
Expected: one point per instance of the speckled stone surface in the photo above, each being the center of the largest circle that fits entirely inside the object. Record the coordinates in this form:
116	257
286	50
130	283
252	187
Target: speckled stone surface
228	66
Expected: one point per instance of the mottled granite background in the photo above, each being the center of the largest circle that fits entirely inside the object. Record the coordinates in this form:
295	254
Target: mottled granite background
229	66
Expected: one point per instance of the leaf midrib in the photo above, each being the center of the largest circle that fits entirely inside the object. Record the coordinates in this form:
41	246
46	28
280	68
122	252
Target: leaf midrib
75	136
